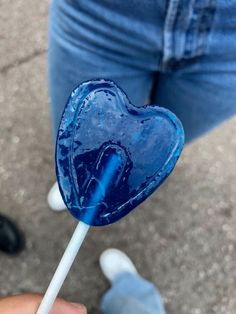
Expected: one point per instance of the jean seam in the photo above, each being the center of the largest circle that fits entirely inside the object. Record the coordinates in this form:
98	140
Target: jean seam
198	32
168	33
186	39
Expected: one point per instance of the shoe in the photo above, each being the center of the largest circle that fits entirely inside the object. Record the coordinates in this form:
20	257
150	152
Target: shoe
11	239
114	262
55	200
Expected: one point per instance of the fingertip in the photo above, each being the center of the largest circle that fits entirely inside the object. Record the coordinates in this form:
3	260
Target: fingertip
29	304
61	307
81	307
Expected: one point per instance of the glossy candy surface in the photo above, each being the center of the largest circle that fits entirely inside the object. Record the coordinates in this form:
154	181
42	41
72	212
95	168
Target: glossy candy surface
110	154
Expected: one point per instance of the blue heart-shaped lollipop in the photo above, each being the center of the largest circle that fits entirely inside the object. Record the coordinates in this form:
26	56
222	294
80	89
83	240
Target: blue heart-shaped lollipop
110	154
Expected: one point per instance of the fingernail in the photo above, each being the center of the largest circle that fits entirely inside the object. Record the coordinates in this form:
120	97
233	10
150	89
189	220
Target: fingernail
79	307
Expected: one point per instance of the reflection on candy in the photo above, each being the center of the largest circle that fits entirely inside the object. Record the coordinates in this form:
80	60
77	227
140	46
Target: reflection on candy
110	154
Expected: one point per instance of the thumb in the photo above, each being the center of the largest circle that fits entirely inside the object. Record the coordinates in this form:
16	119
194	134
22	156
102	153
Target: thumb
29	303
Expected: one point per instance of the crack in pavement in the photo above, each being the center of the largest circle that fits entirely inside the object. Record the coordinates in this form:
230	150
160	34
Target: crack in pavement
18	62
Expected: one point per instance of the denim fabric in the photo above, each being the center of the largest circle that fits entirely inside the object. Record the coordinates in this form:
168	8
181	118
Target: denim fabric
131	294
181	53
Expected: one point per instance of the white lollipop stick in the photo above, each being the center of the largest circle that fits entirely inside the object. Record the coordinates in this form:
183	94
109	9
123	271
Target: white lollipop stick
63	268
77	239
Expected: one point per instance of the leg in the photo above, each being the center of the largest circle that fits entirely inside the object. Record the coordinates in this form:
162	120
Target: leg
132	294
200	101
82	47
129	292
200	87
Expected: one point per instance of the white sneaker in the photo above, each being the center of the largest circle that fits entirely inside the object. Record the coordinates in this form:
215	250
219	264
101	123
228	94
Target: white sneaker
54	198
114	262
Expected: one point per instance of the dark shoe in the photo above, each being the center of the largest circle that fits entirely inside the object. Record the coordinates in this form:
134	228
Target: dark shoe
11	239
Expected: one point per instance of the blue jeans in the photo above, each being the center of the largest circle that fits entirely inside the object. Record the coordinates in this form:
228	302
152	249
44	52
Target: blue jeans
179	54
131	294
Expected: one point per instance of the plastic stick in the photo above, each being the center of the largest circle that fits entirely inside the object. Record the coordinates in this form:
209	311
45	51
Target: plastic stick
78	238
63	268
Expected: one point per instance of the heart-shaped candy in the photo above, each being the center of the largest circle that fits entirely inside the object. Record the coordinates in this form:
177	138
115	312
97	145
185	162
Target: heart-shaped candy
110	154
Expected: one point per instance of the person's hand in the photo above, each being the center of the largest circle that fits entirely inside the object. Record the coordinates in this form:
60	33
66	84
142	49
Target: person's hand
29	303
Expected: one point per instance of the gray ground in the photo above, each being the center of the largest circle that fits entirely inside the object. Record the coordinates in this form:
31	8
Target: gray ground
183	238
